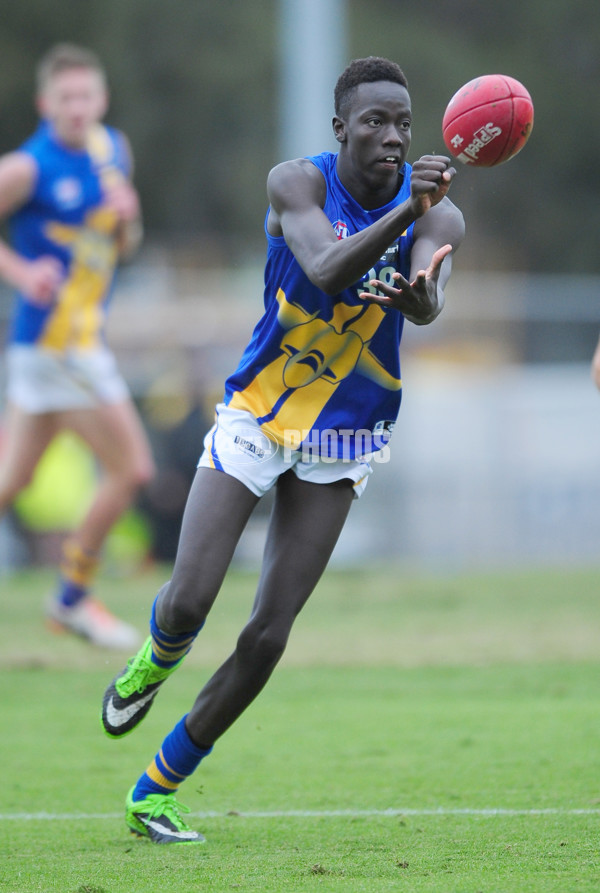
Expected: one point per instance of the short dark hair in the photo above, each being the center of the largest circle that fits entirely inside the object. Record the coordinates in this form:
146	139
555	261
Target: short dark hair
365	71
64	57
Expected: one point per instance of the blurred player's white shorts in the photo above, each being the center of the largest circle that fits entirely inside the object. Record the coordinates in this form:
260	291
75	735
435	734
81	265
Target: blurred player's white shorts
40	380
237	445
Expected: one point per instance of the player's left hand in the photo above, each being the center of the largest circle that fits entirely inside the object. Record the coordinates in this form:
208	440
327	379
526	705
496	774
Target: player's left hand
418	300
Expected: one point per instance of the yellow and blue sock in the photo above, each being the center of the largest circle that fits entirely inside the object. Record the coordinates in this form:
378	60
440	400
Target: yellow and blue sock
77	571
175	761
168	650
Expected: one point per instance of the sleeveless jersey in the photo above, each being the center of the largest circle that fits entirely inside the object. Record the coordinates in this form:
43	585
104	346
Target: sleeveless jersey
66	218
323	372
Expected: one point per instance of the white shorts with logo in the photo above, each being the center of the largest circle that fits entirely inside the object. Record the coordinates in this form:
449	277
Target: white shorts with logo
236	445
41	380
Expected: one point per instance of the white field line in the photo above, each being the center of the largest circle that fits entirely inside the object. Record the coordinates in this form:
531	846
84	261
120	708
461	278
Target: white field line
313	813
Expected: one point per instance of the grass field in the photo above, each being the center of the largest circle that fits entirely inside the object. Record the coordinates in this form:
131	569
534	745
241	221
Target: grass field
436	734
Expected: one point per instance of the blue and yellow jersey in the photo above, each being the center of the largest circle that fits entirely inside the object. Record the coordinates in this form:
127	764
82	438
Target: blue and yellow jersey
66	217
322	365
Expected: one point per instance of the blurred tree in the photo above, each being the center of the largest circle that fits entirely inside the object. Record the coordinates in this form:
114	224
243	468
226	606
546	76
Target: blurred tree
192	85
195	85
537	212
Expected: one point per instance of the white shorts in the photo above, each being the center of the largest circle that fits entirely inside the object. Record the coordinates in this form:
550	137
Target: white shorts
40	380
236	445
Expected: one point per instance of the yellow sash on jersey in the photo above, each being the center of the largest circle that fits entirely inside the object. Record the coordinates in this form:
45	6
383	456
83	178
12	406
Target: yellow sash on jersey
316	356
78	316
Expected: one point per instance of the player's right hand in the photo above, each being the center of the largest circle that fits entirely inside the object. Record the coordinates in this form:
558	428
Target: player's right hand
430	180
41	279
122	197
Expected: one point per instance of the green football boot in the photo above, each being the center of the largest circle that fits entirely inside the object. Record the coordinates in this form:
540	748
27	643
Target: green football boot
158	817
129	696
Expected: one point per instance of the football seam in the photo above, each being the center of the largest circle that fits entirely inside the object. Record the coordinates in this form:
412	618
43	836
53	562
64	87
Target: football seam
511	95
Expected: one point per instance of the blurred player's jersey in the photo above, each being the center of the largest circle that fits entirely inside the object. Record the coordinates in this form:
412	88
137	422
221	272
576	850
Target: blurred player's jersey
66	217
327	367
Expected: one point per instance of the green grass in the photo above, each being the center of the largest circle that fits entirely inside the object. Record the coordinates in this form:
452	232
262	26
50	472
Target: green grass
421	734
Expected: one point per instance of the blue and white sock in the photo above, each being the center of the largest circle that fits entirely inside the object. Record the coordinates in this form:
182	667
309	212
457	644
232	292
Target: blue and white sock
168	650
175	761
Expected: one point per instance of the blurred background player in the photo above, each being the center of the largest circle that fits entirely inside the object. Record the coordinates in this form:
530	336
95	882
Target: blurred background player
358	241
73	213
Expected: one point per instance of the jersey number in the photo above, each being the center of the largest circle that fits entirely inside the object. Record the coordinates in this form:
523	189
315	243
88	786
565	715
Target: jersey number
384	275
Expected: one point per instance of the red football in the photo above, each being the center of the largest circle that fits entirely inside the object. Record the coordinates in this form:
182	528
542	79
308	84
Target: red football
488	120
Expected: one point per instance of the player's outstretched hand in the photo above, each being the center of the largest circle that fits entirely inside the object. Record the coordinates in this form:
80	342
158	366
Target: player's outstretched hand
417	300
430	180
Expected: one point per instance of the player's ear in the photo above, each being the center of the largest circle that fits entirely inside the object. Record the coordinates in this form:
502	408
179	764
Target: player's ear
41	105
104	103
339	129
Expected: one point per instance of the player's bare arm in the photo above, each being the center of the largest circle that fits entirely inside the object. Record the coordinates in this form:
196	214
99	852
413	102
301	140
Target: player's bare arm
38	279
296	191
438	233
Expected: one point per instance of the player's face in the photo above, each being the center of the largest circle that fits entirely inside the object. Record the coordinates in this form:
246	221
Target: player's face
375	135
73	101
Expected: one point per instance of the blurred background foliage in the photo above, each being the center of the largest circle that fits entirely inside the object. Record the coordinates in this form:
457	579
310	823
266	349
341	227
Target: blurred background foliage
200	89
195	85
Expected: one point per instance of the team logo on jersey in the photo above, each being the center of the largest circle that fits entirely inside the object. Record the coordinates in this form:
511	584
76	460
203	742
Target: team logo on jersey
316	355
68	192
341	229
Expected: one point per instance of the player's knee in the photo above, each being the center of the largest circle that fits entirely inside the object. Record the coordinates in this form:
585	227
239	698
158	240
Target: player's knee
141	473
132	476
182	607
262	644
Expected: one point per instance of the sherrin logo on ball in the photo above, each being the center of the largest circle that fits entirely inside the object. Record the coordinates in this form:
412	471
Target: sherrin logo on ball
488	120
